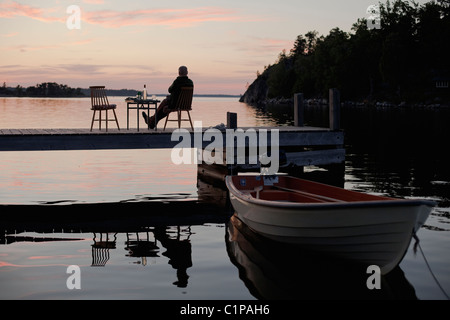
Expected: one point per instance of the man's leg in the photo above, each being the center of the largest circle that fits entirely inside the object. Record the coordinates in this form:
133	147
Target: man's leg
161	112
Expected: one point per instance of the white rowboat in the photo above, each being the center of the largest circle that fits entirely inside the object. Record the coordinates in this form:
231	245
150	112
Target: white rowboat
368	229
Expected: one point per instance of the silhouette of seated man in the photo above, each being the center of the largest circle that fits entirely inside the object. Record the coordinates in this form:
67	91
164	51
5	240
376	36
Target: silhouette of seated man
168	104
179	253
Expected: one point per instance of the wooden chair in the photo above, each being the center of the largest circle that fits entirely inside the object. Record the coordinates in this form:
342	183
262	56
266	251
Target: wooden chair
100	249
99	102
184	103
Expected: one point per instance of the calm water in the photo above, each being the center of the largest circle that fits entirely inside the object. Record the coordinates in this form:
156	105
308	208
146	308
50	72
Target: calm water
172	238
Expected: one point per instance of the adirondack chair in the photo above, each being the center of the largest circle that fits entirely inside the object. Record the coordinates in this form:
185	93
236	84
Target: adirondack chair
184	103
99	102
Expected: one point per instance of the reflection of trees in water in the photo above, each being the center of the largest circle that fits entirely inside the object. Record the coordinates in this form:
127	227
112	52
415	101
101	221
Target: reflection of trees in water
274	114
398	151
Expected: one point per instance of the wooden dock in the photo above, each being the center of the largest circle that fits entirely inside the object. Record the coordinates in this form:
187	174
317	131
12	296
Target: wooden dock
298	145
301	146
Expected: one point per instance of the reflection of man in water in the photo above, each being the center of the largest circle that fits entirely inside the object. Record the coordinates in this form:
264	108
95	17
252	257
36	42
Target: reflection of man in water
179	254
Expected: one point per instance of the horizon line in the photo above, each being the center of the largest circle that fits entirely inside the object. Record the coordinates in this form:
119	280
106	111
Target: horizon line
126	89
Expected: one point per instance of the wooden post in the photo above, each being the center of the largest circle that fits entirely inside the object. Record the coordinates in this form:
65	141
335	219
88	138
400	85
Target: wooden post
231	120
299	110
231	124
335	109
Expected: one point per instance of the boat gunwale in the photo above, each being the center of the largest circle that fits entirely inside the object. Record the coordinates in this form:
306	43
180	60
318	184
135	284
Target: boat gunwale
392	202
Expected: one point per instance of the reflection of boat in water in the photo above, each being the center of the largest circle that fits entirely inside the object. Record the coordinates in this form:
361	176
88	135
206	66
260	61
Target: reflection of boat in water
368	229
273	270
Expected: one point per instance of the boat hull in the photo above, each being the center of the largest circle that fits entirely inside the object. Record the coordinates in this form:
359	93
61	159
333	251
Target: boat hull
274	270
376	232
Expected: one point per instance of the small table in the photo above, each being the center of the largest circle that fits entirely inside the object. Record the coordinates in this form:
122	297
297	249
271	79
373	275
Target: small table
141	104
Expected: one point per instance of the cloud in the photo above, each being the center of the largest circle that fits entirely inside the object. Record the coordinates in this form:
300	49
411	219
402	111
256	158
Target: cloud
116	76
12	9
94	1
85	74
27	47
173	18
77	69
9	35
260	48
264	44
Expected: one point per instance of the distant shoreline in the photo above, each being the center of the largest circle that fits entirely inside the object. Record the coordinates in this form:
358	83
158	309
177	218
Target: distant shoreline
126	95
111	93
55	90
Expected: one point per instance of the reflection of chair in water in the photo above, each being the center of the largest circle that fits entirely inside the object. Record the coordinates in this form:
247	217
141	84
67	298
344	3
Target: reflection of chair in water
141	247
178	251
100	249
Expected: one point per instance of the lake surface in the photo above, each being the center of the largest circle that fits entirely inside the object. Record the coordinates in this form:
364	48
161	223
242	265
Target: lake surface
140	227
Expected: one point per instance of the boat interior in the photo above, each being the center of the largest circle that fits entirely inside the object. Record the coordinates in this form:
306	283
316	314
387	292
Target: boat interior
290	189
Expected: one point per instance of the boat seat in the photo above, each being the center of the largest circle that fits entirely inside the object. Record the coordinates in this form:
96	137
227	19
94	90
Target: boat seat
279	195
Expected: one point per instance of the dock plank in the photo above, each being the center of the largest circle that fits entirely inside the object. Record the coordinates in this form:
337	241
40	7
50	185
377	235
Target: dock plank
84	139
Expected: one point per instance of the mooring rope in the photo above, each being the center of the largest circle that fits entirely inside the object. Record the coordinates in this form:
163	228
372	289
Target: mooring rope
417	245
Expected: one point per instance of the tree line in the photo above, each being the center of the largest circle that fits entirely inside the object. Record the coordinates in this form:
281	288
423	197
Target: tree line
400	61
45	89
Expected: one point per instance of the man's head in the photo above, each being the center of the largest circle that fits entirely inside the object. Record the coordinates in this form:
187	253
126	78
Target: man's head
183	71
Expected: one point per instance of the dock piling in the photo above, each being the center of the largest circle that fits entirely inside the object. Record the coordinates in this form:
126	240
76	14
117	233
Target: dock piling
335	109
299	110
231	120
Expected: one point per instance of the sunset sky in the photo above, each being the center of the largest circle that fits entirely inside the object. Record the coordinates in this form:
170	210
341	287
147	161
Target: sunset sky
126	44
